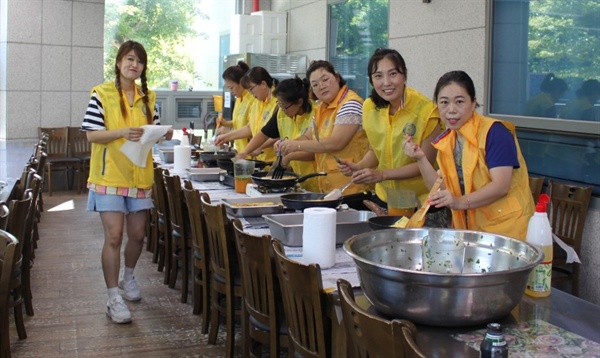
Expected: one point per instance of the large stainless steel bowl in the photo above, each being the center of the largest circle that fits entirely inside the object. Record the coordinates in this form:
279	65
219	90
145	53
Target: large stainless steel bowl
491	284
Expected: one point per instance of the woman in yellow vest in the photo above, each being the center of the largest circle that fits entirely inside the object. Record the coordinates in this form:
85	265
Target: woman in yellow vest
336	131
486	184
243	102
119	189
392	110
292	120
260	84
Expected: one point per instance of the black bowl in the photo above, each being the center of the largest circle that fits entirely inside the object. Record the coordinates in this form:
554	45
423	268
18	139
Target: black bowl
383	222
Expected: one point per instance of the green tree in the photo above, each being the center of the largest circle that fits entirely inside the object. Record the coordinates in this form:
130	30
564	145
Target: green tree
564	38
164	27
362	26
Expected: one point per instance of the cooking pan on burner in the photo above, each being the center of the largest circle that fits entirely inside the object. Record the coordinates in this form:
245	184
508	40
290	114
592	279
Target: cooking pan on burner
301	201
211	158
289	179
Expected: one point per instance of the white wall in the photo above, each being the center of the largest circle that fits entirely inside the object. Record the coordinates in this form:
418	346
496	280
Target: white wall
53	55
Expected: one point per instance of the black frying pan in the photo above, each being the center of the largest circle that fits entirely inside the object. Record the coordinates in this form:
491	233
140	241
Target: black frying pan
210	158
289	179
383	222
301	201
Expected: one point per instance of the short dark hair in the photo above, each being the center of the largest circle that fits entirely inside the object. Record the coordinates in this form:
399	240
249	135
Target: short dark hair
235	73
257	75
377	56
294	89
461	78
327	66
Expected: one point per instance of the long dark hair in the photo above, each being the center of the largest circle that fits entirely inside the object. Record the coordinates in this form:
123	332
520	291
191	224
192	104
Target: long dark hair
235	73
327	66
399	65
461	78
140	52
292	90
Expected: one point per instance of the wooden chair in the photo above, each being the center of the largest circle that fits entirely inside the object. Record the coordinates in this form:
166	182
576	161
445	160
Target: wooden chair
199	256
263	320
372	336
567	213
225	285
161	255
81	149
59	157
29	244
304	302
19	210
180	245
536	184
9	259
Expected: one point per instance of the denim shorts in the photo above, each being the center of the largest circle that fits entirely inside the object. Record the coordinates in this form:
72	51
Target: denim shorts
122	204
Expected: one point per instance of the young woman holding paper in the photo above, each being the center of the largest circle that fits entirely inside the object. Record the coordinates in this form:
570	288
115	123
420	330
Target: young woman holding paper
118	189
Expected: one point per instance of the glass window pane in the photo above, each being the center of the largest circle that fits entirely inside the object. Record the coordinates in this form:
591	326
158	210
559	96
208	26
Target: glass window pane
356	29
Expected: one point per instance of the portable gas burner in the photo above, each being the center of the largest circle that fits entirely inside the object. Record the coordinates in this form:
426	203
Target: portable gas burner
254	190
227	178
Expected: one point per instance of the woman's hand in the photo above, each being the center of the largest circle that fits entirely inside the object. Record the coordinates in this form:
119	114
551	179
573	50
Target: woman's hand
255	153
289	146
443	198
132	133
169	134
346	167
221	139
412	149
222	130
367	176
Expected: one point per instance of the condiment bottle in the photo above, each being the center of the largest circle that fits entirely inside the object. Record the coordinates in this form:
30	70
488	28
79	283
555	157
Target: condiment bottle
493	345
539	234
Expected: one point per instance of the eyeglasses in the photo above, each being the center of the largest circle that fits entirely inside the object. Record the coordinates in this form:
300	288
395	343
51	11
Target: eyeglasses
284	106
251	89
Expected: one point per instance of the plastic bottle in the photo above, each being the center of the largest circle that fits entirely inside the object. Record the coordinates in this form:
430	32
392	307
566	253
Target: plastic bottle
493	345
539	234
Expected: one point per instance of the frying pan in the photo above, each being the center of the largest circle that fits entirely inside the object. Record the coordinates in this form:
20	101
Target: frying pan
301	201
383	222
211	158
289	179
227	164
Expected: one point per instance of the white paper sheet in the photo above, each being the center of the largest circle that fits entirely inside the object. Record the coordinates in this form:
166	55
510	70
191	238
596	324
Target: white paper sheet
138	151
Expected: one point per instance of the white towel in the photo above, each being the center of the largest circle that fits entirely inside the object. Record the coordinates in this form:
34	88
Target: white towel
138	151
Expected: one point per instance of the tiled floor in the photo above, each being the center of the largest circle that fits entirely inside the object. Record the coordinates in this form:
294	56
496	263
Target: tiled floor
70	297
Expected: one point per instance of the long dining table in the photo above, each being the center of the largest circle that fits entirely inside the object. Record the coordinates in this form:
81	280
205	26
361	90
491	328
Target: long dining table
560	312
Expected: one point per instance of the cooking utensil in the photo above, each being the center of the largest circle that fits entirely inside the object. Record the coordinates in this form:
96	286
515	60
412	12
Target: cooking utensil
375	208
289	179
210	158
496	269
301	201
383	222
418	218
336	193
227	164
277	170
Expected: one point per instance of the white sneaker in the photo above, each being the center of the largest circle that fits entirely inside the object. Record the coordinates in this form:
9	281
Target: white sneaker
118	311
131	290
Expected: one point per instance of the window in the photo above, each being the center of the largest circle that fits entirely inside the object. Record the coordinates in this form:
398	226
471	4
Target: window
545	69
356	29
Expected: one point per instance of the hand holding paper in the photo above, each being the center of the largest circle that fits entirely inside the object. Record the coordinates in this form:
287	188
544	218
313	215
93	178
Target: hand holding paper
138	151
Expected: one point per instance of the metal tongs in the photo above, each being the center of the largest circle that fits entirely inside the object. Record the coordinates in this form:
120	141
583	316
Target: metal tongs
277	170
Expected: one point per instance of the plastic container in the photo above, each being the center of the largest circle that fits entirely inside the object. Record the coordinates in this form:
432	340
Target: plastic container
242	170
539	234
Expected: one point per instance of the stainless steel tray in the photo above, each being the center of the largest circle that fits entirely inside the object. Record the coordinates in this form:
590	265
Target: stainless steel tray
166	155
204	174
288	227
239	207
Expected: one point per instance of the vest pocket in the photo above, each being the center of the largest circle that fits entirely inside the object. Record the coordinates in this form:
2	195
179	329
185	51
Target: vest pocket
500	210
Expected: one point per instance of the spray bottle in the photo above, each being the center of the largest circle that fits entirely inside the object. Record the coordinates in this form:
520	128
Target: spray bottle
539	234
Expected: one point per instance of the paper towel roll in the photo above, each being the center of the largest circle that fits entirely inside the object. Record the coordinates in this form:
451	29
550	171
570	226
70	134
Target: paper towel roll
318	236
182	155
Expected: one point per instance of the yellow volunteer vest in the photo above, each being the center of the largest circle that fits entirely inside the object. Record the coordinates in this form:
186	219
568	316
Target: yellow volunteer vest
386	134
355	150
293	128
240	116
508	215
260	113
108	165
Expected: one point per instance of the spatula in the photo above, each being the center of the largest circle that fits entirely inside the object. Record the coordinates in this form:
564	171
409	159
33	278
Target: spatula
418	218
337	192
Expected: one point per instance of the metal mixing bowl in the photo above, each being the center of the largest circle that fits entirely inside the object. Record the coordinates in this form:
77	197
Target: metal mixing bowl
491	284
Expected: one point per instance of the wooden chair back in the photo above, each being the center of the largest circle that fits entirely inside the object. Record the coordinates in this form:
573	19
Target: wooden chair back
163	252
180	243
536	184
3	215
304	302
8	259
225	283
59	155
567	213
81	149
200	293
373	336
263	315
